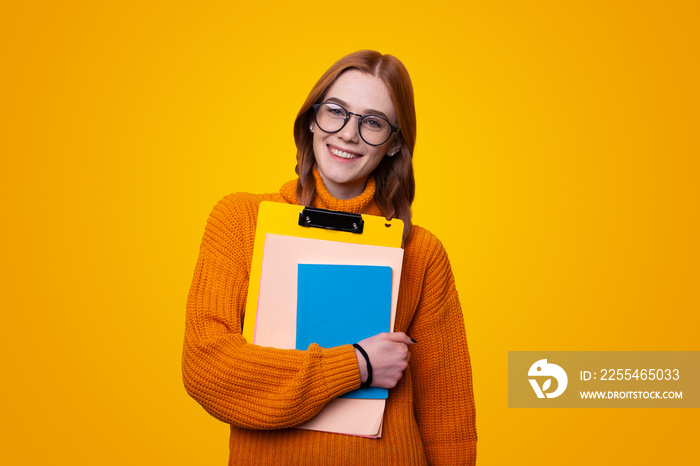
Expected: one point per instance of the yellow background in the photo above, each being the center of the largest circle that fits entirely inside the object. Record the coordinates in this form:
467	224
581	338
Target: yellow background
557	159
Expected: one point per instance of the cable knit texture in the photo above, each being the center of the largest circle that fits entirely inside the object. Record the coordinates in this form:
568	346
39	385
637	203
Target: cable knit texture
264	392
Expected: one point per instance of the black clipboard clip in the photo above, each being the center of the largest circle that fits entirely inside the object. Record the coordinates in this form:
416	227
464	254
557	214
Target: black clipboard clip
331	220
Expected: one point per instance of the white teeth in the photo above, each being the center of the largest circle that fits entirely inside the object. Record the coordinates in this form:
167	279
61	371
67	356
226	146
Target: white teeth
342	154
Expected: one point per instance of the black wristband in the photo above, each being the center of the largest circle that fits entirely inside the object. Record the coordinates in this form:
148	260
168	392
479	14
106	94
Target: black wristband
367	382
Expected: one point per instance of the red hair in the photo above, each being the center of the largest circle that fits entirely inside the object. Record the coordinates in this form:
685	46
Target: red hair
395	184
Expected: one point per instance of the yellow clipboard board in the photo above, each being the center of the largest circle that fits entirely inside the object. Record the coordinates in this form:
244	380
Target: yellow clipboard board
294	220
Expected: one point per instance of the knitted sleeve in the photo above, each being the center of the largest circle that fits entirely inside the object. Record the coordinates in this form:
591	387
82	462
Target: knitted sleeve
240	383
440	369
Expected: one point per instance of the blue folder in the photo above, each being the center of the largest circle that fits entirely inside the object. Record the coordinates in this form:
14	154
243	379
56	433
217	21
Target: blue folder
341	304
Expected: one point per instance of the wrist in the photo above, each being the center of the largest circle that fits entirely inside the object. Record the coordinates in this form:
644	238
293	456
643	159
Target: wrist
362	365
368	365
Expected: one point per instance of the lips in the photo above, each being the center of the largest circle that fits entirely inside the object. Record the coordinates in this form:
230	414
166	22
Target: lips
339	153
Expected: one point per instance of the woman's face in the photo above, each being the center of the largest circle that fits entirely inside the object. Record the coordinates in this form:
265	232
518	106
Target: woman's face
343	159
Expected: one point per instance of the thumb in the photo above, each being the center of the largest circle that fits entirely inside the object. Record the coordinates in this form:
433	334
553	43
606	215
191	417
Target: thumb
400	337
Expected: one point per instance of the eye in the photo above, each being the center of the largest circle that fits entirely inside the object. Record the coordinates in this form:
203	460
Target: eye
374	123
335	110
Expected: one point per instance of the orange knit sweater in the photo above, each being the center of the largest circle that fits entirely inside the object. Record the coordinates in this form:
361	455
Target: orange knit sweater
263	392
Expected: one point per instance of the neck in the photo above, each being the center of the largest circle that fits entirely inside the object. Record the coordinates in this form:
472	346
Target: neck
344	191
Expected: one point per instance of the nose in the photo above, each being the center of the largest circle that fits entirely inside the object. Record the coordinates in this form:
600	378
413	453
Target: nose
351	131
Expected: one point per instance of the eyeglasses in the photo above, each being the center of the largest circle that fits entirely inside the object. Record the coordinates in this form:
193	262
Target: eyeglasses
374	129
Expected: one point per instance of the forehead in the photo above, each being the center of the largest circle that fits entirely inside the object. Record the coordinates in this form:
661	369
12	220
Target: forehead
362	92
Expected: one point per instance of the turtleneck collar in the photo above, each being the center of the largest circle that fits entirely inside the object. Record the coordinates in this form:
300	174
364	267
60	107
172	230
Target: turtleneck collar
362	204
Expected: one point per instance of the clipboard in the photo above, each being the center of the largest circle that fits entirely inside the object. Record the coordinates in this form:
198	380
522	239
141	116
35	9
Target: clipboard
288	235
312	223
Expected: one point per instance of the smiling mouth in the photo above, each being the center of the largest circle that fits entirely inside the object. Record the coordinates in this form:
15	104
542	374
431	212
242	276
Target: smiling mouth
343	154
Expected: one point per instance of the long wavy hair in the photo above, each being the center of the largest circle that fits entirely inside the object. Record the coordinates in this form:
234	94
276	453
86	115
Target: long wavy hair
395	183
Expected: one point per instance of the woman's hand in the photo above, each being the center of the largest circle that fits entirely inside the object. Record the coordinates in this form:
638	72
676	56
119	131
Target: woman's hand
388	353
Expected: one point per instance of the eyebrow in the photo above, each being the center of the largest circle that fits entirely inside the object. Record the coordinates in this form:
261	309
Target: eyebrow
368	111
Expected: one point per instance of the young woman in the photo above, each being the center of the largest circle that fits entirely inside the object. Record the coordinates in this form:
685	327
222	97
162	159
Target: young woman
355	136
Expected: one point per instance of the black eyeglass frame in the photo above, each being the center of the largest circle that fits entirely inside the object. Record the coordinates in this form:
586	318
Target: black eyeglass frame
394	129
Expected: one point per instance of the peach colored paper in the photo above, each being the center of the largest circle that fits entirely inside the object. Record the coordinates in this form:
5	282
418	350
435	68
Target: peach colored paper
275	323
350	416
